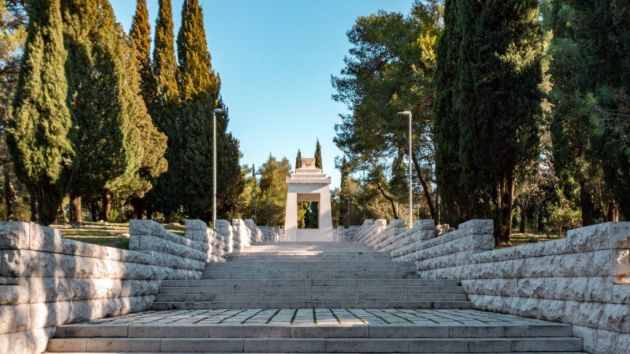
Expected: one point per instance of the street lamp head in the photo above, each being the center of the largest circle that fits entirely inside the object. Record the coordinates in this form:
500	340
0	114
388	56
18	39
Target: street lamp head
219	110
404	113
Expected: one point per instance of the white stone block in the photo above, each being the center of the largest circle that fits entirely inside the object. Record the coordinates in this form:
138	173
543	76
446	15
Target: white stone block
14	235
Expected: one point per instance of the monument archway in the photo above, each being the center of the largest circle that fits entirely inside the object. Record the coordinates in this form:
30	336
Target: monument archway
308	184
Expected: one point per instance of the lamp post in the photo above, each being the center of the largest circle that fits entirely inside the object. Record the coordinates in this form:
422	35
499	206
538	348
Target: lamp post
409	115
214	166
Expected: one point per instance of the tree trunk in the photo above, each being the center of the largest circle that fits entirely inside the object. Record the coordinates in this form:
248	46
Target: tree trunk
390	199
149	214
10	197
76	215
425	187
503	204
586	204
107	206
61	215
138	210
541	221
47	206
612	213
33	205
523	219
94	210
168	215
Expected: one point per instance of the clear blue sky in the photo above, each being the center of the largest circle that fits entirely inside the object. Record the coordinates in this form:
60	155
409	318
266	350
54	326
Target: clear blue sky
275	58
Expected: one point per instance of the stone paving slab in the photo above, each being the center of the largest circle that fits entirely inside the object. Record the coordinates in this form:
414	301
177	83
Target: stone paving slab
320	316
291	353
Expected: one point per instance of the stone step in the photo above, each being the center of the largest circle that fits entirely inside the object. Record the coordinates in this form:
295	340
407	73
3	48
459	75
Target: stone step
305	275
314	264
280	289
308	254
379	281
179	352
149	330
271	304
300	268
316	330
300	345
314	296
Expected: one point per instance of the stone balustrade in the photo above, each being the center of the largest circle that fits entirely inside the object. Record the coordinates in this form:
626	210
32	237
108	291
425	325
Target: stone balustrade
46	280
242	235
271	233
256	233
582	280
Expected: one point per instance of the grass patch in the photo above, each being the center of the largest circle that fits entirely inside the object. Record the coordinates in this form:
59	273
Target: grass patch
109	241
103	234
106	234
518	238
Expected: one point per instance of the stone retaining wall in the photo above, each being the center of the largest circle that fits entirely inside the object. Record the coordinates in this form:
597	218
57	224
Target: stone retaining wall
583	279
46	280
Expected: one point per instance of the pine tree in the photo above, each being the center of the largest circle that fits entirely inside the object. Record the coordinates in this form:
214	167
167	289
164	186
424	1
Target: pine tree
273	192
298	160
198	86
39	127
499	102
599	32
318	155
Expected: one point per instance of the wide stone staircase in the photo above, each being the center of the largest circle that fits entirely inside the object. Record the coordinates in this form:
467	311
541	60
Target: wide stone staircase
306	275
312	297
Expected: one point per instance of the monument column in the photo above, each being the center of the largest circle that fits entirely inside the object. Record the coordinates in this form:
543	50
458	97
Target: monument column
290	217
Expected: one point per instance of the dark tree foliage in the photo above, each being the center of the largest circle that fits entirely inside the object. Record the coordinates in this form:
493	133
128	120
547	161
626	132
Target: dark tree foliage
592	97
231	181
491	91
39	127
447	164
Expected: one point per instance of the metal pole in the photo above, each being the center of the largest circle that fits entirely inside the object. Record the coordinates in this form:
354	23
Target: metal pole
214	169
410	177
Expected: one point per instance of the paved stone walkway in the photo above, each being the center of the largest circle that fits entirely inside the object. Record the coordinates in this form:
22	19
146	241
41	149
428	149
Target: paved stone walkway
320	316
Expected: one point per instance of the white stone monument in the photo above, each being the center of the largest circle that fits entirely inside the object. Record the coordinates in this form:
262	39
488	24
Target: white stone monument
308	184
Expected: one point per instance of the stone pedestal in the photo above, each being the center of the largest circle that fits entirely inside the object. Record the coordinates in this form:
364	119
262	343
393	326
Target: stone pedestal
308	184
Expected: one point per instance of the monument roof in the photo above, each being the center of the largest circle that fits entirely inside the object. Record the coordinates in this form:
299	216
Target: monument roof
308	174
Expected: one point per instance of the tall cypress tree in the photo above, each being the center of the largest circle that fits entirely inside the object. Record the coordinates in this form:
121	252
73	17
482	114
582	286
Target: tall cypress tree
318	155
164	109
118	147
231	180
447	165
198	87
298	159
140	38
499	102
38	129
